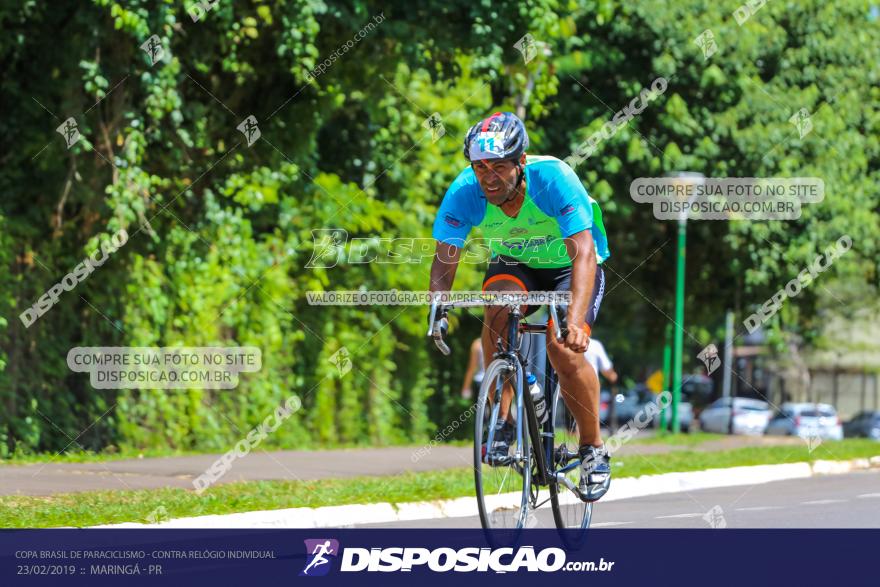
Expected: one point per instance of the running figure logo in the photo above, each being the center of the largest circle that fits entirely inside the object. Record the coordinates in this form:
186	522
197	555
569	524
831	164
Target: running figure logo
527	46
153	48
70	131
317	551
706	42
250	130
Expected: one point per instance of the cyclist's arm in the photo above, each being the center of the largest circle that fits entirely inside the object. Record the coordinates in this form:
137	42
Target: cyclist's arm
460	210
582	250
606	367
443	268
611	375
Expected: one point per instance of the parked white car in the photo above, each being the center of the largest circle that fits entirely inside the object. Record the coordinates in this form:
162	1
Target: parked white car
750	416
806	421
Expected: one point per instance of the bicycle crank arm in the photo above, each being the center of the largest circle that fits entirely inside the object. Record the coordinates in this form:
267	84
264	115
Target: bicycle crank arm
561	478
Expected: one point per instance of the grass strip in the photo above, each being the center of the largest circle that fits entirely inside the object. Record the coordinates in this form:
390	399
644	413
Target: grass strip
108	507
680	439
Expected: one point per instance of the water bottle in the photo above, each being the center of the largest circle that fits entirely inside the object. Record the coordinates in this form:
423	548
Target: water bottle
537	398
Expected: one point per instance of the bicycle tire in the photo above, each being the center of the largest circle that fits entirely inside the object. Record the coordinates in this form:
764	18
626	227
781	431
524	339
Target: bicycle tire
572	516
497	510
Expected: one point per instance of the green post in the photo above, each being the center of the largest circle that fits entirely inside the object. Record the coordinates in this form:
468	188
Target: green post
679	324
667	376
690	179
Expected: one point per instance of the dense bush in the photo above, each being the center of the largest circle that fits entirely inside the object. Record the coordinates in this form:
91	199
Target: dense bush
220	232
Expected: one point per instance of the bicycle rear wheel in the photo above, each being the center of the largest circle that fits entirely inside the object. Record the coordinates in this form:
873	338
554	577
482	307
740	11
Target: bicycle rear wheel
572	516
502	487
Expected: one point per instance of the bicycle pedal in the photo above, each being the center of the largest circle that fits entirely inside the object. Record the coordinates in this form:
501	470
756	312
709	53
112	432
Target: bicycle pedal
562	456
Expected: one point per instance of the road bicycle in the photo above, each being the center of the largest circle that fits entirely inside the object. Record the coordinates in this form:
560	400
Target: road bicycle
541	455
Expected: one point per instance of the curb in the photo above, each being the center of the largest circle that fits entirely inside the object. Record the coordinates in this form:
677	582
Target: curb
629	487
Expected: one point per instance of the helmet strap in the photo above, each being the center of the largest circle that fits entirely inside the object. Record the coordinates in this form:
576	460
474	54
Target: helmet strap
520	174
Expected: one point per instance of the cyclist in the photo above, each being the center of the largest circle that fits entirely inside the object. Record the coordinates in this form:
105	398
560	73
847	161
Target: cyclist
545	234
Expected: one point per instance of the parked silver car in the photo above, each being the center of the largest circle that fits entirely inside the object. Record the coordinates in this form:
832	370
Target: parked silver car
750	416
806	420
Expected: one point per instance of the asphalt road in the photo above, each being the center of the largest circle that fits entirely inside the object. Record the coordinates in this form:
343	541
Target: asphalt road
834	501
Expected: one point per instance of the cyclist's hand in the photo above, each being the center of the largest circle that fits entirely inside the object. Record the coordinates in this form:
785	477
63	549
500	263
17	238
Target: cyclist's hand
577	339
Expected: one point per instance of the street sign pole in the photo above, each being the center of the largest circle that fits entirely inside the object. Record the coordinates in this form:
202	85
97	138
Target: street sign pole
667	376
679	324
688	178
728	354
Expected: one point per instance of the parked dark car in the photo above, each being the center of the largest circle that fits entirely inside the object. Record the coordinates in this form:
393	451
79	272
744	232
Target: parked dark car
604	401
698	390
863	425
626	406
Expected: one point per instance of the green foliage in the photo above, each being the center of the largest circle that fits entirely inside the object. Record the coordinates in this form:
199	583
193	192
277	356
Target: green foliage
727	115
220	232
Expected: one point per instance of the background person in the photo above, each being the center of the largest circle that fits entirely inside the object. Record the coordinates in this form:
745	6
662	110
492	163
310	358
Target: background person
598	358
473	377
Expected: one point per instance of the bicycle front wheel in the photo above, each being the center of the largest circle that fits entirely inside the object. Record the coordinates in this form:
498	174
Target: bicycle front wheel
572	516
502	480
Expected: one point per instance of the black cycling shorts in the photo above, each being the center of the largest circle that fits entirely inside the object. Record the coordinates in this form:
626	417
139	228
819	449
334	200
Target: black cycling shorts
503	268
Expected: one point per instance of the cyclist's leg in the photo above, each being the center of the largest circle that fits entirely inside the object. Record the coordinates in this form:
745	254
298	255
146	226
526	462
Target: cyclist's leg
580	389
577	379
501	276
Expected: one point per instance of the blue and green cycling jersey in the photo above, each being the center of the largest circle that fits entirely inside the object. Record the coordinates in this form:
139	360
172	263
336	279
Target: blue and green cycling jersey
556	206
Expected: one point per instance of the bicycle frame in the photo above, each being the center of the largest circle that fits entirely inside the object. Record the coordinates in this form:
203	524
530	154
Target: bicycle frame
543	463
540	437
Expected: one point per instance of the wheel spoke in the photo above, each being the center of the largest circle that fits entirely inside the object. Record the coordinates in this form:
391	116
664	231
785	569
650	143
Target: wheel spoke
492	484
572	516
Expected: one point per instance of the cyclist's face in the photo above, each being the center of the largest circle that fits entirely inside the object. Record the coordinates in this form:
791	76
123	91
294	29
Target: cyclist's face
497	178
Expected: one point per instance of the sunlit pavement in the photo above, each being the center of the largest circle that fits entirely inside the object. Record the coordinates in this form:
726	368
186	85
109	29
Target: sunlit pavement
835	501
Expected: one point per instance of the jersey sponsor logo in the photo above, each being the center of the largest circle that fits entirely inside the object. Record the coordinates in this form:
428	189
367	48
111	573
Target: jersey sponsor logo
518	231
520	244
567	209
452	221
535	221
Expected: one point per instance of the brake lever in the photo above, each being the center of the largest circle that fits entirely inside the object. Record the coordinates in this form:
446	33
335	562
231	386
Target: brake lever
431	318
555	317
435	332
